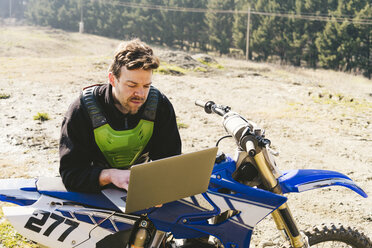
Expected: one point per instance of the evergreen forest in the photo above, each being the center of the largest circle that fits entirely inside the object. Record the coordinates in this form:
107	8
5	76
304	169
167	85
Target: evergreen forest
331	34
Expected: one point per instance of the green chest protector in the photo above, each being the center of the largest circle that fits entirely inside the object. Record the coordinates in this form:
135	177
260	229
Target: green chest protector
121	148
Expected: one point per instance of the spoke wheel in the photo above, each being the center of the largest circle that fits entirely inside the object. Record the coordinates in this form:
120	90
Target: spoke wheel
332	236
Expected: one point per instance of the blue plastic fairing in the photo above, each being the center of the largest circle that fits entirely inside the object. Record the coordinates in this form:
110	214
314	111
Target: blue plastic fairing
222	178
19	191
20	202
256	195
303	180
95	200
228	164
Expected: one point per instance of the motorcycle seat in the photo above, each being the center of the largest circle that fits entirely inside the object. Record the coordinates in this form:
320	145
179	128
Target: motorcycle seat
50	184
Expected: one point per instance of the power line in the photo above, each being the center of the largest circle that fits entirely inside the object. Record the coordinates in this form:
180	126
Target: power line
303	16
317	18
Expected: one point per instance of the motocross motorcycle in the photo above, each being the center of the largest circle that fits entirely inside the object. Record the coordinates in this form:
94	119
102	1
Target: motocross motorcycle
242	191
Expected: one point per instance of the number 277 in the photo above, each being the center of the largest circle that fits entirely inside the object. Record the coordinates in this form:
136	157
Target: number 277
36	224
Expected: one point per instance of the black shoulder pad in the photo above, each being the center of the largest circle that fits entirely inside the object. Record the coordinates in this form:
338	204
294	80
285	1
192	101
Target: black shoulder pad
94	110
151	106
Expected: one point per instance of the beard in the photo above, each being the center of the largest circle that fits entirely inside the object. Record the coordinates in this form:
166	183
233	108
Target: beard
132	108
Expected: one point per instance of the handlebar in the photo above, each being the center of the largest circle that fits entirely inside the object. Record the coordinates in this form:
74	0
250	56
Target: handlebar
234	124
248	136
210	107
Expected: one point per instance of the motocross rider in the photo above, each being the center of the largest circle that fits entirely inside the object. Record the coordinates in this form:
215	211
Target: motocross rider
112	126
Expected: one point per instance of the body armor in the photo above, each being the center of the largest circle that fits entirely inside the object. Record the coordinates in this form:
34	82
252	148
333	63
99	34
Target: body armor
121	148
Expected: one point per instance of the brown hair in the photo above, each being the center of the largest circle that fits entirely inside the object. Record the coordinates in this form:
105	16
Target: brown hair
133	55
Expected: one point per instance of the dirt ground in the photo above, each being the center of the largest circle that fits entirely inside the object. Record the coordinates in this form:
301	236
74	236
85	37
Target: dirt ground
314	118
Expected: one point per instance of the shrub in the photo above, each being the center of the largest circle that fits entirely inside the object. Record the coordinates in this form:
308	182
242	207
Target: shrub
4	96
41	117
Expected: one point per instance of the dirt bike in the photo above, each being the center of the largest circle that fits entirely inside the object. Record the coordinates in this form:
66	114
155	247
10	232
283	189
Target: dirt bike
242	191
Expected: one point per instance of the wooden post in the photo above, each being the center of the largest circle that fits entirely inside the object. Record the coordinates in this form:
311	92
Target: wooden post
369	69
247	44
10	8
81	23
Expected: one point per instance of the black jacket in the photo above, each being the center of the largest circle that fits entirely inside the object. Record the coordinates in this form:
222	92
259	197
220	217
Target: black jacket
81	161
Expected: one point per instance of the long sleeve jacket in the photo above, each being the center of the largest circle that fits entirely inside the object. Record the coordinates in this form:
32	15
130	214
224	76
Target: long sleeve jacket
81	161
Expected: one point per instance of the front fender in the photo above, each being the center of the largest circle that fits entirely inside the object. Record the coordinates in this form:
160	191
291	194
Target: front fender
303	180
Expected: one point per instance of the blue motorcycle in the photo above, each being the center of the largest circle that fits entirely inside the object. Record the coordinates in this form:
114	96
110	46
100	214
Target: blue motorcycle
242	191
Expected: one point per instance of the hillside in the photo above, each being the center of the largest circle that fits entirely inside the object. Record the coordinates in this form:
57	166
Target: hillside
315	118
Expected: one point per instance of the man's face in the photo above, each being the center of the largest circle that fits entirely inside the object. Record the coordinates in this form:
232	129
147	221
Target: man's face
130	91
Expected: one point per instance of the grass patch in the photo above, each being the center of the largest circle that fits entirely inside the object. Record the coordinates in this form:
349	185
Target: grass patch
200	69
213	65
341	101
167	69
181	124
41	117
4	96
10	238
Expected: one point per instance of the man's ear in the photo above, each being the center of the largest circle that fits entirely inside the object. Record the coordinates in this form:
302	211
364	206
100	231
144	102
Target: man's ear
111	78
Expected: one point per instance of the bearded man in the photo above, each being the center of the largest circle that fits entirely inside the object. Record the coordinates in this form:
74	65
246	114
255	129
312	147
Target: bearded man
112	126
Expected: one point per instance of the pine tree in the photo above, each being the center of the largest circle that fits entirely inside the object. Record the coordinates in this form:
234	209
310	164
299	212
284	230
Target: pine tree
264	36
148	22
173	28
240	25
220	25
339	43
327	43
312	29
364	53
195	27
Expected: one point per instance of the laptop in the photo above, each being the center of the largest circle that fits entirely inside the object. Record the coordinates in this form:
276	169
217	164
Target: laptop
165	180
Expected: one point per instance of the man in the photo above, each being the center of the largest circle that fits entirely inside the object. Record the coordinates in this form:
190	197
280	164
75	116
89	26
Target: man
113	126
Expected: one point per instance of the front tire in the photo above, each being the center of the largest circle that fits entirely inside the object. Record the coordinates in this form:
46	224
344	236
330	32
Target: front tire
332	236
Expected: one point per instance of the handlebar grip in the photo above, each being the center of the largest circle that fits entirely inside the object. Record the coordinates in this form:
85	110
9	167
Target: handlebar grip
208	106
200	103
249	148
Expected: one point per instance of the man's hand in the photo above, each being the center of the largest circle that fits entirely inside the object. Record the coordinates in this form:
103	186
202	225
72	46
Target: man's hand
120	178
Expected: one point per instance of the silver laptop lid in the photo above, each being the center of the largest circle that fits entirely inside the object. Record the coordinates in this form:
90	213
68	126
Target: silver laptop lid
165	180
169	179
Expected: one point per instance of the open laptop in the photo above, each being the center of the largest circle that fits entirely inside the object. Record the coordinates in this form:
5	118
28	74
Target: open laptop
164	181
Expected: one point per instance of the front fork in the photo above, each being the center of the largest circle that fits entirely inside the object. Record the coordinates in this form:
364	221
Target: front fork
282	216
144	234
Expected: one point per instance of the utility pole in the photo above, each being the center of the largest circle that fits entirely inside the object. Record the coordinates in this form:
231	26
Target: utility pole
247	44
81	23
10	8
369	69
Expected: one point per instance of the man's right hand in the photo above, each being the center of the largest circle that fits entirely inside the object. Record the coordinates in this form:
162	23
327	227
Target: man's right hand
120	178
